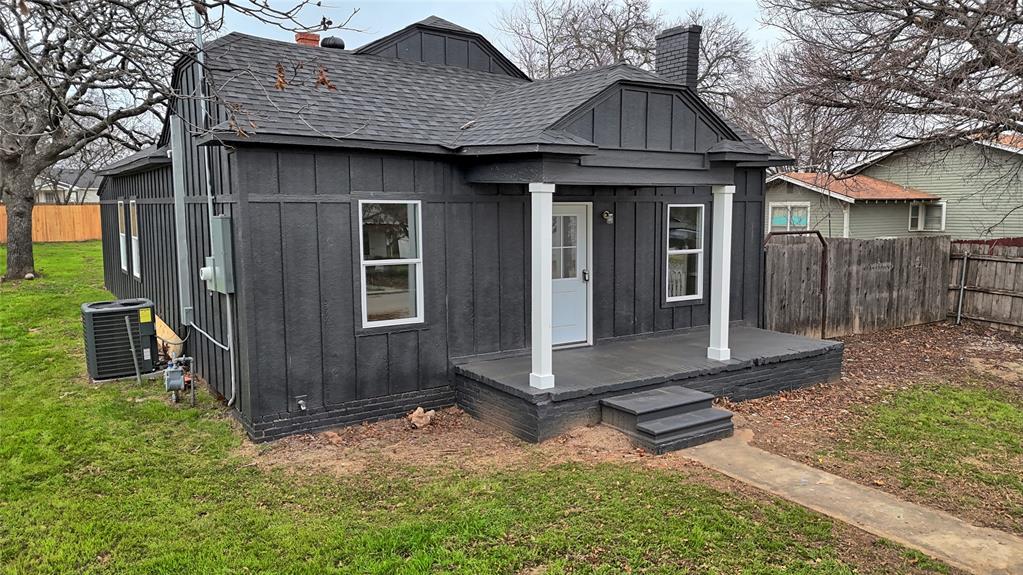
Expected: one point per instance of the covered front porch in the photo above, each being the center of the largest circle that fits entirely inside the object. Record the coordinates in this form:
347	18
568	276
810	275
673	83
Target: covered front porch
762	362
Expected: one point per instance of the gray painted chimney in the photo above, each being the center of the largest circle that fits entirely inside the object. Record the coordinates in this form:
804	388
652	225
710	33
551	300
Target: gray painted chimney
677	57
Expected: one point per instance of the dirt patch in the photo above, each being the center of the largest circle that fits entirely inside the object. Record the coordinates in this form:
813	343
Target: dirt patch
453	440
810	424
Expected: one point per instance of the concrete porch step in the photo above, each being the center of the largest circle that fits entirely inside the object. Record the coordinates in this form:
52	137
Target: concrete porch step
667	418
634	408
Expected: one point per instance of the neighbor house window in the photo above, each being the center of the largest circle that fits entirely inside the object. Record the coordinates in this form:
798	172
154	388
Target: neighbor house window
136	258
392	262
685	252
789	216
927	217
122	234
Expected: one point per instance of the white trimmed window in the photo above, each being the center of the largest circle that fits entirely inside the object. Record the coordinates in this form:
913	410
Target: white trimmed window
684	265
390	234
122	235
788	216
136	257
927	217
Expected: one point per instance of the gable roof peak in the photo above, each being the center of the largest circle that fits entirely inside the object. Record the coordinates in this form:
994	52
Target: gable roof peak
438	22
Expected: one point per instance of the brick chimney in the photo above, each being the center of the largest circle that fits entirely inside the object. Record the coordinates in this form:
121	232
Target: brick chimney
677	56
307	39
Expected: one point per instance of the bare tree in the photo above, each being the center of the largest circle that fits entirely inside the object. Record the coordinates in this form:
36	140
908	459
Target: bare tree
538	37
604	32
726	57
816	137
549	38
948	68
69	180
75	72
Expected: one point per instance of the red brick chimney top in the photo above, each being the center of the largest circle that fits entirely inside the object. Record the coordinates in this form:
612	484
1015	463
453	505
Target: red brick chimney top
307	39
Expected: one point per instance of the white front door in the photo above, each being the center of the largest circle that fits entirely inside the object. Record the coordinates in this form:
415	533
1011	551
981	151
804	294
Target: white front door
570	275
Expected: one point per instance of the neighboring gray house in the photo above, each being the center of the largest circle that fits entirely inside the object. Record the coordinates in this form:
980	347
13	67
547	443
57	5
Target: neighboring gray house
970	190
417	223
64	185
850	206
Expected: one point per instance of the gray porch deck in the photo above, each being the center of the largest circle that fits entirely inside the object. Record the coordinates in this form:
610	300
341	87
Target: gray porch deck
763	362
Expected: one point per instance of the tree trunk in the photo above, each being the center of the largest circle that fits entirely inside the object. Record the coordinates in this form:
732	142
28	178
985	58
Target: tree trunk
19	202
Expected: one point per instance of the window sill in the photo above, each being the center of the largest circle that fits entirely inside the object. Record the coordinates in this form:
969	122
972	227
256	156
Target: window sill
665	304
383	329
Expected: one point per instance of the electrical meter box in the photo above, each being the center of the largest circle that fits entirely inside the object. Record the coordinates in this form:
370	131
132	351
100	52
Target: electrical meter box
219	270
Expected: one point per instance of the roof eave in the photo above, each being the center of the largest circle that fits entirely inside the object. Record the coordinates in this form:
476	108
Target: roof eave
218	138
812	188
511	149
1002	147
135	165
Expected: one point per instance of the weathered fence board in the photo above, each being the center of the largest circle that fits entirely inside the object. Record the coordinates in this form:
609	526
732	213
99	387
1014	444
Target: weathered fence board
60	223
871	284
993	288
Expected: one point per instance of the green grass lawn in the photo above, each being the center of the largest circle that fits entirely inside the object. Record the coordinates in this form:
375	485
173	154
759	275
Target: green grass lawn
952	440
112	478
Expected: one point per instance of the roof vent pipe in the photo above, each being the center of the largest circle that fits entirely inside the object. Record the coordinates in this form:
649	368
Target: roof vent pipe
333	42
677	56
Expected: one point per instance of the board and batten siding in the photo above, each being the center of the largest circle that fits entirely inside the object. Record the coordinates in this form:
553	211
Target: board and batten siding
299	272
981	187
153	191
634	118
444	48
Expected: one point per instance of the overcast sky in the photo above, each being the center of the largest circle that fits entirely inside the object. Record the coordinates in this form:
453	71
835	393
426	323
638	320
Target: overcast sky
377	18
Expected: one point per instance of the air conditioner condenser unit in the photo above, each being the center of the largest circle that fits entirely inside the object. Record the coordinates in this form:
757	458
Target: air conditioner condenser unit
108	340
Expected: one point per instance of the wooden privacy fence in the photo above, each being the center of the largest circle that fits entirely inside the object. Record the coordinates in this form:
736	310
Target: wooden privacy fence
870	285
992	288
60	223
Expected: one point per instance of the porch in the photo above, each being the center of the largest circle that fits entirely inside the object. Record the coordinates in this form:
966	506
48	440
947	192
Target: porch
762	362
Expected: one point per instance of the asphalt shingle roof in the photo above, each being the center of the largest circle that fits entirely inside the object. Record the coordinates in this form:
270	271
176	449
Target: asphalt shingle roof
384	99
857	187
524	113
375	98
436	22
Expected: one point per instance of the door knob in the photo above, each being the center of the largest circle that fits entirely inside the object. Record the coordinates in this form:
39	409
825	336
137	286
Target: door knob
586	275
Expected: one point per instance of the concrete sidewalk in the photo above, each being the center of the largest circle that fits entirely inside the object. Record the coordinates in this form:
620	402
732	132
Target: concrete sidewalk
940	535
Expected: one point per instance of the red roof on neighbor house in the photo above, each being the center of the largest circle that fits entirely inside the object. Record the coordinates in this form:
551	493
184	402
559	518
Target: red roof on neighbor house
1010	140
857	187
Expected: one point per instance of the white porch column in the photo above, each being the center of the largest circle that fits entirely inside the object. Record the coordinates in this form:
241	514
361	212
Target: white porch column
720	273
542	195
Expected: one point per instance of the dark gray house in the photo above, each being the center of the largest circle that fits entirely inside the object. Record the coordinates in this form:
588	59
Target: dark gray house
345	235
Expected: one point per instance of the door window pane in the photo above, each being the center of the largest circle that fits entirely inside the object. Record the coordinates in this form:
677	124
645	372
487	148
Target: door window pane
683	274
556	264
684	228
389	231
569	263
569	230
556	226
390	292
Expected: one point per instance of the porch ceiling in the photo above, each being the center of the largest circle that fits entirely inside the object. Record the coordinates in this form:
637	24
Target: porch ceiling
624	364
